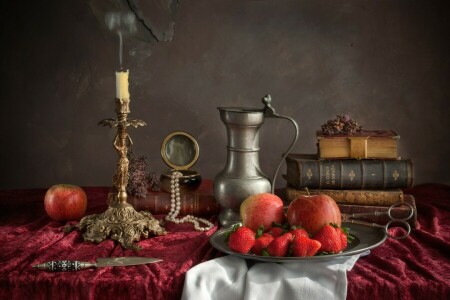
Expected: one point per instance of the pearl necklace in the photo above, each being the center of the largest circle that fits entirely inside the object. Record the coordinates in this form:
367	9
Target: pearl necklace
175	205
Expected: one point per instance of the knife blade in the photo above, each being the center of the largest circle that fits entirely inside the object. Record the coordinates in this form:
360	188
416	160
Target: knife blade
75	265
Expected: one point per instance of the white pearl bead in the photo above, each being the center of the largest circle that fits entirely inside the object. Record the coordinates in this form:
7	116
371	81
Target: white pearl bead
175	206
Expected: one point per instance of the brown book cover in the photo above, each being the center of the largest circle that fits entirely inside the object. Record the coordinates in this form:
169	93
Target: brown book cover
397	212
359	197
307	170
200	202
375	144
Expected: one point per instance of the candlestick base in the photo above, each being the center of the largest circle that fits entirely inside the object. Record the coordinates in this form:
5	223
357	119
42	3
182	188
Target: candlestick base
121	222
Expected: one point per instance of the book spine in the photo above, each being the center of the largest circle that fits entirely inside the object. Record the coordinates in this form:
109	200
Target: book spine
349	174
359	197
191	204
378	144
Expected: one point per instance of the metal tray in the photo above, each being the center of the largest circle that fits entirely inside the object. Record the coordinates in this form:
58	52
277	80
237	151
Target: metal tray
365	238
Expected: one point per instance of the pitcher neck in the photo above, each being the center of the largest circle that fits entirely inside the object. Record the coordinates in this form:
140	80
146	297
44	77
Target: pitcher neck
243	164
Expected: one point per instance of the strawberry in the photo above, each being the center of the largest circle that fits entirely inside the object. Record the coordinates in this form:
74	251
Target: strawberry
262	242
242	239
298	232
313	247
304	246
280	245
276	231
330	239
346	238
343	237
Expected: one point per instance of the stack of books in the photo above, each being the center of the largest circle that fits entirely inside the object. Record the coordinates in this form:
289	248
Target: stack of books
361	172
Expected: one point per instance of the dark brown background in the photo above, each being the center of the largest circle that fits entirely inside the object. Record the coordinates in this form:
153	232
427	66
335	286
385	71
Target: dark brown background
386	63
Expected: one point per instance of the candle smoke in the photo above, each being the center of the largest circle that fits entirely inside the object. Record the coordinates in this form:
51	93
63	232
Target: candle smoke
120	48
122	23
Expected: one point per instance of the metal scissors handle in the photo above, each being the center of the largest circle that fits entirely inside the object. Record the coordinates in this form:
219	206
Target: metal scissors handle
350	218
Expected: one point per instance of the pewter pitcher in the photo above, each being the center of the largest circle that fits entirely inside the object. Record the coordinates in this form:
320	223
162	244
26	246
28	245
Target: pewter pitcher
242	176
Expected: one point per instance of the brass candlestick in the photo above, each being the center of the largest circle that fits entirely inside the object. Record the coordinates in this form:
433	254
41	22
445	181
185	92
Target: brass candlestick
120	222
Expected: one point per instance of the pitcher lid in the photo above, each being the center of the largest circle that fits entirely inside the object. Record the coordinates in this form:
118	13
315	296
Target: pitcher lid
241	109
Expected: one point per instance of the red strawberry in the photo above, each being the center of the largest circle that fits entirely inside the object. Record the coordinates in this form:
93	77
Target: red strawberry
330	239
276	231
280	245
313	247
304	246
262	242
343	237
346	238
242	239
299	232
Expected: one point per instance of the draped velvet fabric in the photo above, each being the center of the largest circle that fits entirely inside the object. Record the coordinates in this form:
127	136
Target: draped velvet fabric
415	268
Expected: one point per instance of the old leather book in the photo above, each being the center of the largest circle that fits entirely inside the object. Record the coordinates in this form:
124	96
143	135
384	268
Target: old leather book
361	197
306	170
200	202
378	144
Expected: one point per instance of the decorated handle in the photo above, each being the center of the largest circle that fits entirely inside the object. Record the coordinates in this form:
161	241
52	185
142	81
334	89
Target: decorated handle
269	112
64	265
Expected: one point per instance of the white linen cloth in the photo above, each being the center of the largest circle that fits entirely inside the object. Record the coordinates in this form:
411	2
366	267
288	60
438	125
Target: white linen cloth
231	277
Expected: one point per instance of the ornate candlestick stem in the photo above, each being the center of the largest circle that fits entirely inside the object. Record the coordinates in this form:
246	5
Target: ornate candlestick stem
122	142
120	222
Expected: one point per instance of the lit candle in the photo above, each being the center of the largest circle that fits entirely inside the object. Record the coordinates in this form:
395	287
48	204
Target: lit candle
122	85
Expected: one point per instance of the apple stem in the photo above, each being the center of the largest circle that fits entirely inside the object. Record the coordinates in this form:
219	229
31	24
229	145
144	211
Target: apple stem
307	191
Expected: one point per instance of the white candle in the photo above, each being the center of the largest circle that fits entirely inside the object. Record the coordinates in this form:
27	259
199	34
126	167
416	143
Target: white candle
122	85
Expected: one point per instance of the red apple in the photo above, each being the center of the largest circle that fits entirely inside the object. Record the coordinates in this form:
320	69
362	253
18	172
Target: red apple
261	209
313	212
65	202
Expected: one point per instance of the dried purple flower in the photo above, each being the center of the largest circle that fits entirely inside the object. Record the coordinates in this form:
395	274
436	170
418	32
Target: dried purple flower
343	124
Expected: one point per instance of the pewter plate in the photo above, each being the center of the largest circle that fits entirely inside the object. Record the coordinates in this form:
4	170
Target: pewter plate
365	238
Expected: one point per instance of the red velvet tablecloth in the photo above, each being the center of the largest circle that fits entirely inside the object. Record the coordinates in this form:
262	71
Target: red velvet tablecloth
415	268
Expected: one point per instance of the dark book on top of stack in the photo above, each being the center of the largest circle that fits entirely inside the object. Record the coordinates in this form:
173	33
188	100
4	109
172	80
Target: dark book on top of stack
307	170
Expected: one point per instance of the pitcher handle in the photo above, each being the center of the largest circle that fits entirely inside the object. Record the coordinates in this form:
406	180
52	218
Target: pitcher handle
269	112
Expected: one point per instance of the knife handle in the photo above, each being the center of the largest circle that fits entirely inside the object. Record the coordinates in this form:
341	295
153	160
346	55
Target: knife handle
64	265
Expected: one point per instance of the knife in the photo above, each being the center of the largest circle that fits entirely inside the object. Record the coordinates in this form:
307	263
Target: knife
75	265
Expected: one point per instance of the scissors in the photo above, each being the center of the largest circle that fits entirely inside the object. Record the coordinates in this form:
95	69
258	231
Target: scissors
392	220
